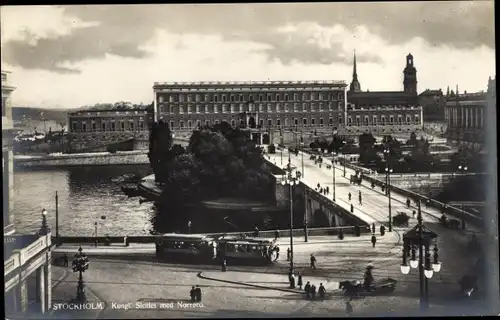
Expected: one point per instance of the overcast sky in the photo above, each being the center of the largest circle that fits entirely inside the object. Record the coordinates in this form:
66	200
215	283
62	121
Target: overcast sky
69	56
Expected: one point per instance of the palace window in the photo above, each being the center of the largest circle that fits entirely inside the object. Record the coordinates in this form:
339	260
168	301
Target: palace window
286	122
277	107
241	107
277	97
320	122
189	124
190	98
400	120
224	98
340	120
141	125
232	123
198	98
261	123
295	107
241	97
206	109
207	123
181	109
197	109
224	108
321	106
181	124
269	97
216	109
382	120
358	120
268	107
296	121
216	98
313	122
198	123
161	99
304	107
295	97
171	124
261	107
408	119
181	97
113	126
286	107
349	121
374	120
233	108
286	97
417	119
261	97
84	126
391	119
278	122
232	98
305	97
330	122
190	109
304	122
103	126
366	120
206	98
269	122
313	107
171	98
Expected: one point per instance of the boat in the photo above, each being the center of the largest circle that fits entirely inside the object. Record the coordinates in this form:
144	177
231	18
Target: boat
126	178
130	190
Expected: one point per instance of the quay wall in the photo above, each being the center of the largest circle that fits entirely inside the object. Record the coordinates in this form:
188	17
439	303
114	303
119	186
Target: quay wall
83	159
347	230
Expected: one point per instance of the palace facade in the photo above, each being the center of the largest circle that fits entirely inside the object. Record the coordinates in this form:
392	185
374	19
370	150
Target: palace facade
95	128
266	105
384	112
465	116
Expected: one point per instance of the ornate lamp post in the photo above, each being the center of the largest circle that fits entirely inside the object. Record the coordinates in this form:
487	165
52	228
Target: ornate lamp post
44	229
80	264
462	169
388	171
302	154
291	181
419	237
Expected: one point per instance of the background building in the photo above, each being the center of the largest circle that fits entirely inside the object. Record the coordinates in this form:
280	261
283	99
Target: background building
384	112
121	126
7	156
433	103
465	120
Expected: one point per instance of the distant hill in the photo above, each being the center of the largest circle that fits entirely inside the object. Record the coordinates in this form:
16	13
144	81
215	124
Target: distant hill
38	114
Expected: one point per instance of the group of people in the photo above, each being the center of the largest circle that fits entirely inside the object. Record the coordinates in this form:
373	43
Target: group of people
309	289
325	190
195	294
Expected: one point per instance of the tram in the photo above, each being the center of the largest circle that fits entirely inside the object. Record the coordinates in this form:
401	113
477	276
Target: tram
176	247
245	249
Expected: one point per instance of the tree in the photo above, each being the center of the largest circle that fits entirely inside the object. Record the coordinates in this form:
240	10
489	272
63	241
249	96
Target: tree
413	140
160	142
366	141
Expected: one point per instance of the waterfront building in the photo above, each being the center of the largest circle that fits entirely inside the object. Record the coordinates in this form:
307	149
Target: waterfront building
383	112
265	105
27	258
122	126
7	155
465	117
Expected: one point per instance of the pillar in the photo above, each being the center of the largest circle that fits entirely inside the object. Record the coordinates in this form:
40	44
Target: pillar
23	296
47	270
40	288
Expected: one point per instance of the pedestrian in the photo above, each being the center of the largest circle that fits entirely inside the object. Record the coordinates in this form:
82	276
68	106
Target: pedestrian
189	226
373	228
321	190
414	213
327	190
427	202
382	230
192	294
374	240
276	234
299	282
292	282
350	197
313	292
277	250
348	308
256	231
313	261
373	184
318	185
307	289
408	202
198	293
360	200
321	291
224	265
65	260
352	208
288	254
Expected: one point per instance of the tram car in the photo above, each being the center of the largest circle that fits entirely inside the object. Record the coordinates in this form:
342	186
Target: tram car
178	247
239	249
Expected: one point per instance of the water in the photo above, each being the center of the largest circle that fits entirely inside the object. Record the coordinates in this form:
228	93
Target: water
85	194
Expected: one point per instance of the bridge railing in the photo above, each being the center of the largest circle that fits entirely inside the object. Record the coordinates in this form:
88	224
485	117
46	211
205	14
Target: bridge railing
459	213
427	174
326	231
21	256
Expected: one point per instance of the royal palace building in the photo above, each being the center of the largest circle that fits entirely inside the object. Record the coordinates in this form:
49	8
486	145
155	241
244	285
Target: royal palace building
268	104
121	125
384	112
465	116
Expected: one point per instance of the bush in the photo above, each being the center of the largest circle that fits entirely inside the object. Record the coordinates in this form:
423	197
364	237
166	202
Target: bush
271	149
401	219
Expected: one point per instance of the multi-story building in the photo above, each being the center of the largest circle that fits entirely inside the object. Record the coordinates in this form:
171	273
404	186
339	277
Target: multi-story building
7	156
27	258
433	103
122	125
383	112
267	105
465	116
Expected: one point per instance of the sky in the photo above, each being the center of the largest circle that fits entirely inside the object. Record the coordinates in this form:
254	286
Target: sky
71	56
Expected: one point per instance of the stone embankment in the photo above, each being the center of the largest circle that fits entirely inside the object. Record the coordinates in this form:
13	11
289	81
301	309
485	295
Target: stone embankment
82	159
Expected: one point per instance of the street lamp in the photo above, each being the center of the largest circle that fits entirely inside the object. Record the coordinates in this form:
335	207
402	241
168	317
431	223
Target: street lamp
462	169
388	172
419	237
291	181
44	229
333	167
80	264
302	154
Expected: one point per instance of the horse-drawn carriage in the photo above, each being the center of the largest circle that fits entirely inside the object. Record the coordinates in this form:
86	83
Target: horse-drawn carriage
354	288
355	178
449	223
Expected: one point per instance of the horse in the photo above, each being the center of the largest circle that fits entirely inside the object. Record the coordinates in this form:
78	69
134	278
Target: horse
351	288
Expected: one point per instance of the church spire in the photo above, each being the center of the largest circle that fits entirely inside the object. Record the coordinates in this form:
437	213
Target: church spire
355	85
